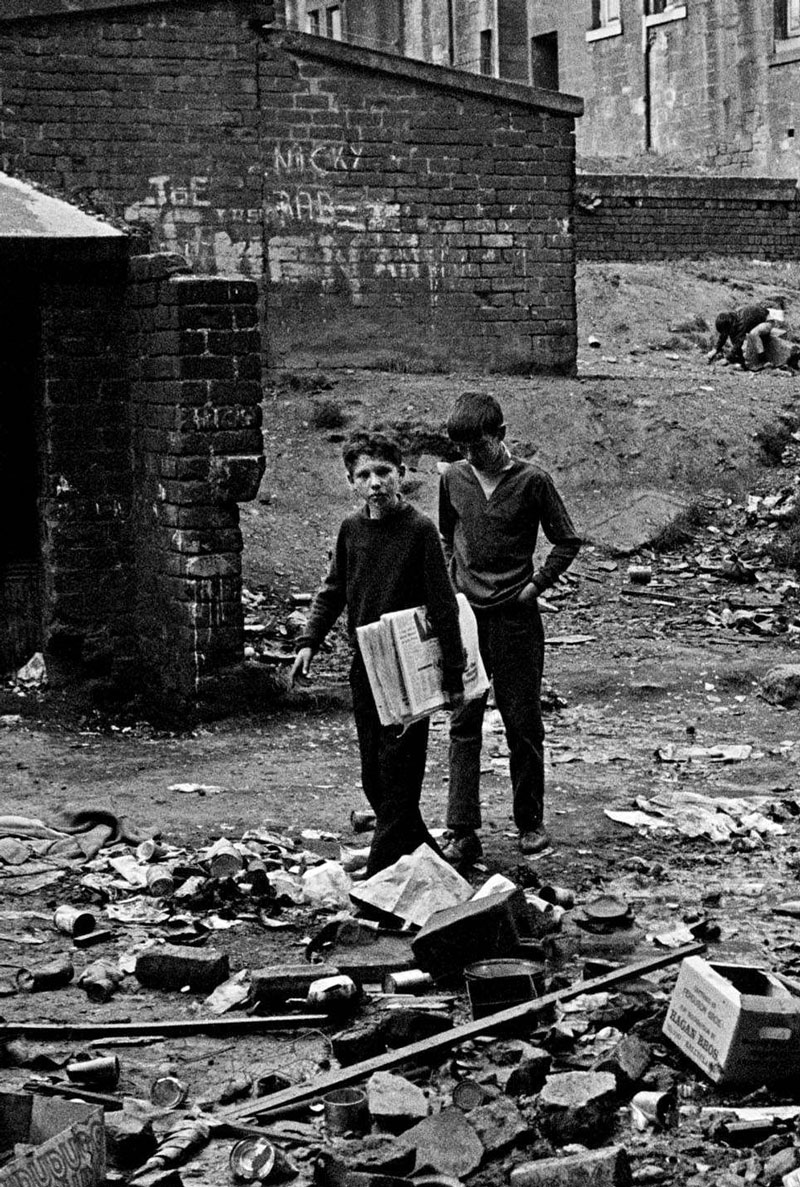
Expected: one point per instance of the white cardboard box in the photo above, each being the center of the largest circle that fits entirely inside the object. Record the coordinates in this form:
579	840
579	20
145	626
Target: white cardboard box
736	1022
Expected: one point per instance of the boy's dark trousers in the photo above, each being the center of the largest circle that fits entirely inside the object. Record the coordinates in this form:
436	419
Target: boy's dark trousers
392	771
511	642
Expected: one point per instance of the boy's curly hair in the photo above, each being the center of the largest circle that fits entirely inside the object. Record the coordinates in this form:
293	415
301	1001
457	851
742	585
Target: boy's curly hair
373	443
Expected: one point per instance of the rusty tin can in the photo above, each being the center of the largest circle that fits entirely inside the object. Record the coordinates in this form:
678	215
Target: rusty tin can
104	1069
362	822
160	882
406	981
256	1160
168	1092
73	921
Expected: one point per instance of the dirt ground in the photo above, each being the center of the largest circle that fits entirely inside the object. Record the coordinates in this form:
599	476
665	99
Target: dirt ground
628	675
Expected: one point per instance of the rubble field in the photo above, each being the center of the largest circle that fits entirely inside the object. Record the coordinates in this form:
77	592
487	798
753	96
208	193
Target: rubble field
224	967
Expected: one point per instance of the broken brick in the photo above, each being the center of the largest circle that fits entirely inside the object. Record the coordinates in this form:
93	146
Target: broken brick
578	1107
591	1168
171	967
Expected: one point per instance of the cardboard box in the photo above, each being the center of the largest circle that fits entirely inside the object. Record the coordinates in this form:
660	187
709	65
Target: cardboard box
66	1138
736	1022
480	929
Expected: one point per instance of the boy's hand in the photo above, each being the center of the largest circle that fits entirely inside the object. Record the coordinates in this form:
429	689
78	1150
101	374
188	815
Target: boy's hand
527	594
301	665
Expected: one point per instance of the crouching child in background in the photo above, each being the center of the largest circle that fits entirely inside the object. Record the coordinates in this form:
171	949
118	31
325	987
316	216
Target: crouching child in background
387	557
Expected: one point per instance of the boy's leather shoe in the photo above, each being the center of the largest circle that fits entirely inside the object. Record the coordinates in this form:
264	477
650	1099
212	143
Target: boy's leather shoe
463	849
535	841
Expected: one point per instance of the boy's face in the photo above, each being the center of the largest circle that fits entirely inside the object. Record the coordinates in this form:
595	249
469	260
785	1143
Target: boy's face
484	452
377	482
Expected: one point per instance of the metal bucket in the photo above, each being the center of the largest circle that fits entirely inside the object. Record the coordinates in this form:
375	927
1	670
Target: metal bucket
495	985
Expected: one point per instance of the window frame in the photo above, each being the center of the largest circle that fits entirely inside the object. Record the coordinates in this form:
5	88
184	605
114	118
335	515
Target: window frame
313	22
486	52
333	22
606	20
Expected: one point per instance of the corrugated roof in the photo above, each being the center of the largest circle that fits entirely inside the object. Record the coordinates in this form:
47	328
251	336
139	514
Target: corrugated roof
27	214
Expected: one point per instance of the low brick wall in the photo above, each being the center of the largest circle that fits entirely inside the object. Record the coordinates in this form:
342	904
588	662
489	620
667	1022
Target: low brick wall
640	217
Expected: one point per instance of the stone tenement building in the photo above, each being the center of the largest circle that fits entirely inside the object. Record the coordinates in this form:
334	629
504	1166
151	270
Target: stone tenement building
399	213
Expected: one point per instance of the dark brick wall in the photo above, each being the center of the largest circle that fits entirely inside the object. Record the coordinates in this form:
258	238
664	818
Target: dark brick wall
195	351
402	214
656	218
85	457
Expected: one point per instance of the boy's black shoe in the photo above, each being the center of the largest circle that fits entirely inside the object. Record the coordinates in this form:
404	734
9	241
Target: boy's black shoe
463	849
535	841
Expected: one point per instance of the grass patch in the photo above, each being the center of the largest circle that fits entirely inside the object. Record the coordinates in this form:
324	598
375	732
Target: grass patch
773	437
328	414
681	530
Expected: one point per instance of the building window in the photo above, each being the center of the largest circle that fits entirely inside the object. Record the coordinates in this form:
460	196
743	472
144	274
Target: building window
605	13
312	22
544	61
791	18
606	21
486	60
333	22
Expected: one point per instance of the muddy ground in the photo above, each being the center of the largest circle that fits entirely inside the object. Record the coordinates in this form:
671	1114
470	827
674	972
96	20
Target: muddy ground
628	673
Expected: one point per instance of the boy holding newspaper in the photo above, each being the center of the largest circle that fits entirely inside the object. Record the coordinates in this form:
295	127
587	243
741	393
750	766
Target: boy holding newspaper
387	557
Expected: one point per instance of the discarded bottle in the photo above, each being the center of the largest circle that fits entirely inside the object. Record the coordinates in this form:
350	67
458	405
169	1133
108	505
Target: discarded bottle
73	921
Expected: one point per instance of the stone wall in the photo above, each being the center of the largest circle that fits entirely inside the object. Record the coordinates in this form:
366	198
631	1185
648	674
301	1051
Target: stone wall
402	214
660	218
708	83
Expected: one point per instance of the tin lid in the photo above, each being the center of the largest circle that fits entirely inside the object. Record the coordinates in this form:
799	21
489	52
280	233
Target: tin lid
168	1092
607	908
252	1160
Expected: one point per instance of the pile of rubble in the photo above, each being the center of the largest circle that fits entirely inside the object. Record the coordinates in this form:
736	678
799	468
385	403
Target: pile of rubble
456	1034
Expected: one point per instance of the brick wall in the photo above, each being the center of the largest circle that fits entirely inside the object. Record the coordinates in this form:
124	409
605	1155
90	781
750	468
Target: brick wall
649	218
85	456
402	214
195	366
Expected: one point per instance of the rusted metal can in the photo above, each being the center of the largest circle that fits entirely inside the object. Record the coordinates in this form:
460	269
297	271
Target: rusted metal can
332	992
160	882
102	1070
55	974
559	896
346	1110
73	921
256	1160
659	1109
468	1094
150	850
362	822
407	981
640	574
168	1092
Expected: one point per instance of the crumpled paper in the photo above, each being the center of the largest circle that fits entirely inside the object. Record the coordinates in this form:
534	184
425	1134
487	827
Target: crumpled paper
418	884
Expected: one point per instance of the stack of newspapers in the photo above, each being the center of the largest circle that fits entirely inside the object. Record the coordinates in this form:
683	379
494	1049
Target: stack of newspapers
403	659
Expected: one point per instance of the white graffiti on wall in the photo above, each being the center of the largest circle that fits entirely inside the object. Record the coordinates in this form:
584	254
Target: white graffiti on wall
211	239
299	228
295	158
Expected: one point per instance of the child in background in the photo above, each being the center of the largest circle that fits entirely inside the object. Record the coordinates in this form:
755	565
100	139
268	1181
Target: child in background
387	557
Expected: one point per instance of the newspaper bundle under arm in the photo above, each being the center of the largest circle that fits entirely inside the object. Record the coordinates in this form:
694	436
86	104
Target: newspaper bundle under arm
403	661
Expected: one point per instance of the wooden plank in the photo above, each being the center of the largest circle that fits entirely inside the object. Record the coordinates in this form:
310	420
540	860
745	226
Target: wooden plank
300	1093
106	1030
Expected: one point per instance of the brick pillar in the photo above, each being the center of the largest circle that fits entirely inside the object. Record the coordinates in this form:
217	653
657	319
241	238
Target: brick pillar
196	395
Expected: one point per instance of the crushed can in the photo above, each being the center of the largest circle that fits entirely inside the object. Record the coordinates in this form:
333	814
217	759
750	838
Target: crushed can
55	974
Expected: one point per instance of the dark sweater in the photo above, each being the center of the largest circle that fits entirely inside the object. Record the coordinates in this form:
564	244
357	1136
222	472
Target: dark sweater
490	542
380	565
744	320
